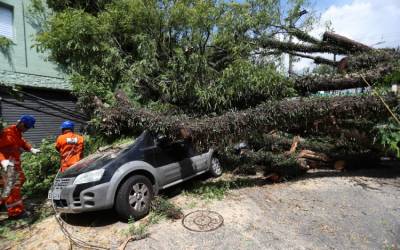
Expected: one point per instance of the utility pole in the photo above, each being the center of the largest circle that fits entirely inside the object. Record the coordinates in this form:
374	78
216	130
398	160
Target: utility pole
290	70
292	22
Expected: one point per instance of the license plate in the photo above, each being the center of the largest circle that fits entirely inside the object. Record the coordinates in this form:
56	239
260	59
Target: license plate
54	194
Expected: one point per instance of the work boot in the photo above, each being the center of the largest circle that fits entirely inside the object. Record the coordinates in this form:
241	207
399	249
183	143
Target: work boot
24	215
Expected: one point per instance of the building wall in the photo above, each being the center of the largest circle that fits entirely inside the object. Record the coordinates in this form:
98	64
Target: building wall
45	93
21	57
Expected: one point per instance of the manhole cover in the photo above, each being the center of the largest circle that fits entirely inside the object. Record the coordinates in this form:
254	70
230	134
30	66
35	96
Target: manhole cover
202	221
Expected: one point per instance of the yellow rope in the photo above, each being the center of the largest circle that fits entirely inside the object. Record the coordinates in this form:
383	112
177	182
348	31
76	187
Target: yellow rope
383	101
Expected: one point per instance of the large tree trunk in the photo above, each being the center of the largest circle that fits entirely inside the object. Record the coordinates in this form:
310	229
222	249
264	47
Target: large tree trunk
296	116
317	59
296	47
369	60
312	84
343	42
331	43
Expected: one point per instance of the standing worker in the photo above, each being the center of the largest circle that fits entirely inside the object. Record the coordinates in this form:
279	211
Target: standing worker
11	143
70	146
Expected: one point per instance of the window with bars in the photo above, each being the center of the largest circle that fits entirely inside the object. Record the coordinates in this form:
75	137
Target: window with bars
6	22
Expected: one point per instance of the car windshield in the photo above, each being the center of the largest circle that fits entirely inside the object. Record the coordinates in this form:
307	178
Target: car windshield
97	159
104	156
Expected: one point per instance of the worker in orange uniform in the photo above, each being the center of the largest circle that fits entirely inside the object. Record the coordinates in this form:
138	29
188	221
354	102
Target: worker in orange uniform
70	145
11	143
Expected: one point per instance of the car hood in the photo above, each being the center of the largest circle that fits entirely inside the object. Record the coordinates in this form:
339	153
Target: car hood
111	158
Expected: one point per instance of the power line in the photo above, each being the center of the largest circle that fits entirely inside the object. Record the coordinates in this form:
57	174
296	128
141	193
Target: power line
42	111
56	106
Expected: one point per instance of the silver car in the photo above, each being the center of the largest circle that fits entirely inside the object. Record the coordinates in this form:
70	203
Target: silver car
128	179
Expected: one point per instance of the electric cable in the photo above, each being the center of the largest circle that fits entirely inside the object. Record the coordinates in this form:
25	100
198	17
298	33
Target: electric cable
72	239
42	111
383	101
56	106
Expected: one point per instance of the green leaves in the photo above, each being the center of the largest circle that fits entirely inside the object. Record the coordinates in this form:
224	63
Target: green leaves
389	136
41	169
5	43
184	53
243	84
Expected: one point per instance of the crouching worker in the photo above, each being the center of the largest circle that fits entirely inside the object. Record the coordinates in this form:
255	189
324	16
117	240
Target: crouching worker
11	143
70	146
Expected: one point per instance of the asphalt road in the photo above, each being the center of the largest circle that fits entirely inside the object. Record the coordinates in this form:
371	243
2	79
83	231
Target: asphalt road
322	210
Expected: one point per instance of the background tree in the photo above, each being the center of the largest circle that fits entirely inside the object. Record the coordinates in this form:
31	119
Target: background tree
195	55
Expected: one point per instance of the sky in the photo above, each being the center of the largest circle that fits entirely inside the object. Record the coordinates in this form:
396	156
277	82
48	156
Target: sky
372	22
367	21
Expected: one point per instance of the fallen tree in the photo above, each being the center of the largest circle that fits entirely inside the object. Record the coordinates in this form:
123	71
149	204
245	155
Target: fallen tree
344	116
299	116
214	76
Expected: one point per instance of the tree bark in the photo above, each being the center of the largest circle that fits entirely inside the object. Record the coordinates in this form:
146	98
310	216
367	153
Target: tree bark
317	59
313	84
344	42
293	47
294	116
369	60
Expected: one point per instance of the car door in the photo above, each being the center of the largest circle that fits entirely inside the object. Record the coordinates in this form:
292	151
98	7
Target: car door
168	160
193	162
200	162
176	164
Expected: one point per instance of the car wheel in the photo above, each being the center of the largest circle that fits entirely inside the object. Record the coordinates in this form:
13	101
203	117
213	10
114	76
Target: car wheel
134	198
215	168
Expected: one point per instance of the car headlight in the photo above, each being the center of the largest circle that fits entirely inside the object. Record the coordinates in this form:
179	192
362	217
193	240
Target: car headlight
90	176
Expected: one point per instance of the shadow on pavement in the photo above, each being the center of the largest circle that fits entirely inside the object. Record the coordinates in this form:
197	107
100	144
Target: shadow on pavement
386	170
92	219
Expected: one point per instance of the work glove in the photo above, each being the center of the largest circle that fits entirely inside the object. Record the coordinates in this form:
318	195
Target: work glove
5	164
35	150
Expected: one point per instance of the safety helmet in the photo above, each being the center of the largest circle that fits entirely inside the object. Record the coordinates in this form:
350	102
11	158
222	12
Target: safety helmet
68	125
28	121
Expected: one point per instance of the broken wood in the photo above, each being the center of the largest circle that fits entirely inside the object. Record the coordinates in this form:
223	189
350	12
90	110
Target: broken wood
295	143
344	43
340	165
307	158
311	155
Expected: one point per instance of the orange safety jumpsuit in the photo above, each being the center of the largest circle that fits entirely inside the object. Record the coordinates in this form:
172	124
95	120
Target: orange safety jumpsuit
11	142
70	146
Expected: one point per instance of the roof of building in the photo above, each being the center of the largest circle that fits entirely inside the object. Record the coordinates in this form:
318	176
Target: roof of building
12	78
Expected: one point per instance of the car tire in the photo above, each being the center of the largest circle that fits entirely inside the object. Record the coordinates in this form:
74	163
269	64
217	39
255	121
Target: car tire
134	197
215	168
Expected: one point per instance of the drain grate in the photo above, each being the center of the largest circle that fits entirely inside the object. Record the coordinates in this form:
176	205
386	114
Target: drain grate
202	221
